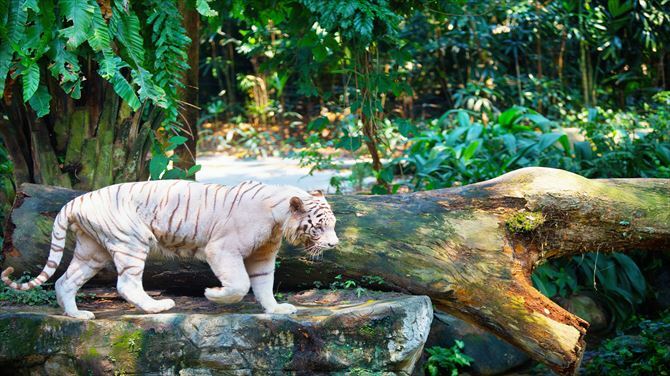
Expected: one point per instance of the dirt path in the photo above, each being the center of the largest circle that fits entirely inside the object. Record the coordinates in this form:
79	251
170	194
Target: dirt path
222	169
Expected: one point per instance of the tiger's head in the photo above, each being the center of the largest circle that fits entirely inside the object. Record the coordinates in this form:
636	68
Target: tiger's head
311	224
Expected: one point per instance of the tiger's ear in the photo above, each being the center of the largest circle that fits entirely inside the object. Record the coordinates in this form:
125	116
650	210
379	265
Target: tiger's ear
296	205
316	193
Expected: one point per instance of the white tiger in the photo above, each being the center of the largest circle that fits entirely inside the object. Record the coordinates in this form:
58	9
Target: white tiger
237	230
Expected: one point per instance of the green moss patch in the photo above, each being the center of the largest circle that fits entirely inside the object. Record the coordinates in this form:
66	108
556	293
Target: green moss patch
524	222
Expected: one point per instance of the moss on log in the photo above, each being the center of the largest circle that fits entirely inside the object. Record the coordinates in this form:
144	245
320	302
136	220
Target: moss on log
455	245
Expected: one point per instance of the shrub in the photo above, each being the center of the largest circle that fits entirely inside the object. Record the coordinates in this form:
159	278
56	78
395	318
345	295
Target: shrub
644	352
448	360
36	296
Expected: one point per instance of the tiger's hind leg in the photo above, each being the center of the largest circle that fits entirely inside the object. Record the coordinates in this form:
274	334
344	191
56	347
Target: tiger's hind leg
89	257
130	266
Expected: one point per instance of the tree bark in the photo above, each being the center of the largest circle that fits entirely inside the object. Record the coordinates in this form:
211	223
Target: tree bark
86	144
472	249
189	93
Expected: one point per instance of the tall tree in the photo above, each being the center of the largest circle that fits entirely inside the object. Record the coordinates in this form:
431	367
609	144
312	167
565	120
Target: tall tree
91	89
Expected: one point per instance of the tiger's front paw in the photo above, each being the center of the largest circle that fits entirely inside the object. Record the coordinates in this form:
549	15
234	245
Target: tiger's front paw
283	308
157	306
82	315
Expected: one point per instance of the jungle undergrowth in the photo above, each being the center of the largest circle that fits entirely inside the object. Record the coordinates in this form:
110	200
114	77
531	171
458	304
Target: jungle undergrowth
350	284
447	361
40	295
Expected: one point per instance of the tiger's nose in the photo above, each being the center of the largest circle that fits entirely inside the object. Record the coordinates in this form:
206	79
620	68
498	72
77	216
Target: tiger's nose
333	243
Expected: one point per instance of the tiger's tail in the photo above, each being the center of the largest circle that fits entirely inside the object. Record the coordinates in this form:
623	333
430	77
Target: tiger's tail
58	234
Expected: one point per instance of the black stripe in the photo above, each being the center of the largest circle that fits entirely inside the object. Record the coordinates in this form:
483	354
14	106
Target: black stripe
255	275
259	189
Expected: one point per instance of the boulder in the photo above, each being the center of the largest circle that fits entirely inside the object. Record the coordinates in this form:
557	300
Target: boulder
492	355
588	307
379	333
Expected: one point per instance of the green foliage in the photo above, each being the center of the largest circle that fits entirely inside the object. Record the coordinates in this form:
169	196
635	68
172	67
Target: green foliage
340	283
6	185
203	8
40	101
442	361
623	144
37	296
371	280
615	279
350	284
140	49
645	351
372	57
454	149
171	43
355	20
159	164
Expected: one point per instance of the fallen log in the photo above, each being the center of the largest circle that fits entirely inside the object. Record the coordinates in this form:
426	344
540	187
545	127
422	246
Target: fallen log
472	249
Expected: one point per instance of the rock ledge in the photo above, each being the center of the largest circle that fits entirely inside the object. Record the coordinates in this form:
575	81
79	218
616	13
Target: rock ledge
384	334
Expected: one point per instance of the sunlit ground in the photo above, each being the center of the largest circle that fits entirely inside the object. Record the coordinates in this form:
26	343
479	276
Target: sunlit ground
227	170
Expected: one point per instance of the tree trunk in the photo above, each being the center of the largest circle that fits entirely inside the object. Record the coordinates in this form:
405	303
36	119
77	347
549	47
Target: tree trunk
561	52
583	67
86	144
472	249
368	93
189	93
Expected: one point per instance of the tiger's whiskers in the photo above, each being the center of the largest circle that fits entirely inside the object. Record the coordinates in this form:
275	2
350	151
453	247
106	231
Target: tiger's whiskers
314	251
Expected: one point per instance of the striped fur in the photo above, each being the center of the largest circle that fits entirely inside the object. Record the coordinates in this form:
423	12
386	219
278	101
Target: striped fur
237	230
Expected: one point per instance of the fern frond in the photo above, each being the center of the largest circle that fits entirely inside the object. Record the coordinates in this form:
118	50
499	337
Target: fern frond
80	13
99	38
109	65
38	32
123	88
6	55
110	70
40	101
16	21
64	64
31	4
125	26
170	43
31	79
148	90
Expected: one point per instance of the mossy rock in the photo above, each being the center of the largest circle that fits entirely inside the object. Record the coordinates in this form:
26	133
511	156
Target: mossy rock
379	335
